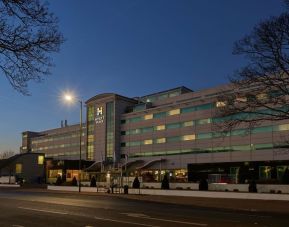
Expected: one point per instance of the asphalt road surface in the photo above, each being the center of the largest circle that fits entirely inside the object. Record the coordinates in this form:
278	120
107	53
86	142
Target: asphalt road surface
20	208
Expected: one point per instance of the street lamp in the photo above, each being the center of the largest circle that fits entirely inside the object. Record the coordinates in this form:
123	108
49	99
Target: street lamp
70	98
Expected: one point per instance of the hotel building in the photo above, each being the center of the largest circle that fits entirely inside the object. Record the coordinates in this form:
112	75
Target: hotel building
173	131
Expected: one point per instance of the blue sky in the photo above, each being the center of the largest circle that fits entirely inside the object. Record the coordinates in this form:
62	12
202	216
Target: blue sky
133	48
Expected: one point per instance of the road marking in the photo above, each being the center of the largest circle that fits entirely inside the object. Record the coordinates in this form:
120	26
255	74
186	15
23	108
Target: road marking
125	222
17	226
136	215
45	211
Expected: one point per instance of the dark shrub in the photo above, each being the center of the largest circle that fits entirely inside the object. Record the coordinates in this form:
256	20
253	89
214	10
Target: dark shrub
136	183
165	182
243	174
93	182
58	180
203	185
74	181
125	189
252	186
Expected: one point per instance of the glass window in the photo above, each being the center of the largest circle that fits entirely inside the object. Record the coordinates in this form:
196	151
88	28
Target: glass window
241	99
239	132
90	138
188	137
262	129
123	121
148	116
262	96
173	139
90	113
123	144
281	171
188	123
173	125
188	109
110	130
241	148
265	172
283	127
174	112
204	106
147	129
135	119
90	127
204	135
160	127
123	133
204	121
145	142
160	140
18	168
135	131
262	146
135	143
220	104
160	115
40	160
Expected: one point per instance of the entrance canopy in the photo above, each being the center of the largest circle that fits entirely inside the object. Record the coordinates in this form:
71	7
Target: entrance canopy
147	164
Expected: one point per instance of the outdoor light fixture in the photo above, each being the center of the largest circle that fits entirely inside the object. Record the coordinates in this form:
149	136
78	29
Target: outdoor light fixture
71	98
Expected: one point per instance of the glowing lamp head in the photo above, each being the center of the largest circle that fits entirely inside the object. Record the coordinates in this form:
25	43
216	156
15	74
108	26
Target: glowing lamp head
68	97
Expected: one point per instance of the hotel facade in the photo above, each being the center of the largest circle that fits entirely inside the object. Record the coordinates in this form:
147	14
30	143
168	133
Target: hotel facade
173	132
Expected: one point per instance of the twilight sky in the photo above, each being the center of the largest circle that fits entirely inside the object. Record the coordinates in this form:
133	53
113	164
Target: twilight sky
133	48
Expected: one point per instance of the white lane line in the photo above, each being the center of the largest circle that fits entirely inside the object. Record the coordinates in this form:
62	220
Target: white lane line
125	222
134	215
45	211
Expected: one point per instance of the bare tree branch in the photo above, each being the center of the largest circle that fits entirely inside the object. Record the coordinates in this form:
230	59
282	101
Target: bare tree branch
28	35
260	90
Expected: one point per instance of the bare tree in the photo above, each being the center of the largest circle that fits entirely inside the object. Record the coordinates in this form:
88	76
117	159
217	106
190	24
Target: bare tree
7	154
28	35
260	90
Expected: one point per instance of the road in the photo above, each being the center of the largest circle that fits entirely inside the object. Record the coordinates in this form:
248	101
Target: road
20	208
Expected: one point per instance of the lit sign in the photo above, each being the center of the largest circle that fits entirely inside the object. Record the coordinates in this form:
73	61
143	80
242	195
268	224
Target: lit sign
99	115
98	111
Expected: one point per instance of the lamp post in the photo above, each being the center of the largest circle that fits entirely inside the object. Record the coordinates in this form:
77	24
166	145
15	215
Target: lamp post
70	99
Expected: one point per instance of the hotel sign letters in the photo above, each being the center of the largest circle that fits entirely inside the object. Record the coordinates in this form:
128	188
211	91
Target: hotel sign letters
99	115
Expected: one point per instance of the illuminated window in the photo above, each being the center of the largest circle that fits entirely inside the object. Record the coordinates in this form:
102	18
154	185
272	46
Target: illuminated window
160	127
18	168
161	140
148	116
220	104
241	99
283	127
204	121
40	160
188	123
148	142
90	113
24	148
262	96
189	137
174	112
90	138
